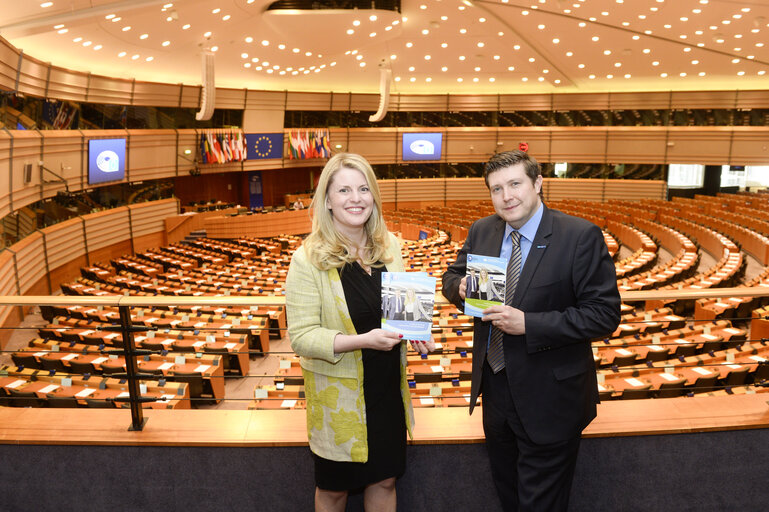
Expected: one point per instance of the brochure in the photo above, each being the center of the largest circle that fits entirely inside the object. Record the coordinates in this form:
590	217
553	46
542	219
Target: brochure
407	304
485	283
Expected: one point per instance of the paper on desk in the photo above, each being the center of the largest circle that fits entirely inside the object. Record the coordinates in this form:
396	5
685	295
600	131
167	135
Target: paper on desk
623	352
734	366
668	376
287	404
69	357
200	324
634	382
426	400
111	335
230	346
166	366
198	344
85	392
701	371
123	394
757	358
39	354
202	368
437	369
15	384
49	388
99	360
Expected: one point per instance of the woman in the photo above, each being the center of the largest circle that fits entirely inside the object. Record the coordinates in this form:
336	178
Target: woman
484	286
358	402
413	307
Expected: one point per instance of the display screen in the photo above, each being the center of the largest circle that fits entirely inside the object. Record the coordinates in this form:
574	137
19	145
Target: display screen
106	160
686	176
422	146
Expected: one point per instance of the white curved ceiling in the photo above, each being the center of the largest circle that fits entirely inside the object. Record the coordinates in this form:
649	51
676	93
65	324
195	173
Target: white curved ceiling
433	46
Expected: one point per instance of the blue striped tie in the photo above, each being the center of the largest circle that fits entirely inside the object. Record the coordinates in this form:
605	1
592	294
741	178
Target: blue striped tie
496	352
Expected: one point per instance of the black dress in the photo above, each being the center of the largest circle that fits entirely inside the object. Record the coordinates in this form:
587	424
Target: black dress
385	418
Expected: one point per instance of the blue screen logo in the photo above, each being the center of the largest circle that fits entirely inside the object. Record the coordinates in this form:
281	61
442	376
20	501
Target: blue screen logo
106	160
422	146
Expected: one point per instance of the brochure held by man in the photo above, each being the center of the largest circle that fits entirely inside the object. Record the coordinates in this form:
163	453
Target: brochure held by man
485	284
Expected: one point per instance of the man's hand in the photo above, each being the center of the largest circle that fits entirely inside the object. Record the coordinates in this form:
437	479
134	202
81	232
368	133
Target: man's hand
506	318
463	287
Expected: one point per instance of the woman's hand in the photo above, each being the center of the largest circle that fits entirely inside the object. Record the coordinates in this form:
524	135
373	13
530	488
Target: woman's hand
379	339
423	347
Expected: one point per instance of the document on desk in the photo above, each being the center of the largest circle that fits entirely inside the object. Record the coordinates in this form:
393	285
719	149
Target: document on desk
84	393
668	377
166	366
202	368
634	382
49	388
407	304
485	283
288	404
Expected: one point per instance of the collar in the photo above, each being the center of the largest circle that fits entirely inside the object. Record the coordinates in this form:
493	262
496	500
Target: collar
528	230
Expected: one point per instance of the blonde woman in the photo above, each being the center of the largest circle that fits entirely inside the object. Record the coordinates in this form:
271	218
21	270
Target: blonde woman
358	402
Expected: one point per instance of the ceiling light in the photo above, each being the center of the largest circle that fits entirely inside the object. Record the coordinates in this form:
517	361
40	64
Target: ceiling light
355	23
144	36
475	79
412	79
541	27
496	57
265	42
57	27
427	57
63	31
372	17
428	79
462	30
77	39
617	64
409	44
281	46
531	59
481	45
609	76
556	41
444	45
444	18
682	73
664	75
541	79
425	31
444	69
636	37
207	34
109	16
461	57
149	59
511	68
595	38
185	27
397	79
591	77
656	63
477	68
216	11
581	66
87	43
582	24
412	68
388	28
482	20
115	20
46	4
226	17
701	73
295	50
121	54
516	47
214	48
373	34
254	59
524	79
607	52
126	29
134	57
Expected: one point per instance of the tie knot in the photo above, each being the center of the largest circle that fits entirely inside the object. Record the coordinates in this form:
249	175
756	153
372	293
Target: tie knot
516	236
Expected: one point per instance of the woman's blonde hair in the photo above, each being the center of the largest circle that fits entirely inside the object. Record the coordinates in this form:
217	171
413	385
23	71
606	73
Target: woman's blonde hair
325	246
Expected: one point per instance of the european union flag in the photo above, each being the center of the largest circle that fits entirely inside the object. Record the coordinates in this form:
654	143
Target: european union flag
264	145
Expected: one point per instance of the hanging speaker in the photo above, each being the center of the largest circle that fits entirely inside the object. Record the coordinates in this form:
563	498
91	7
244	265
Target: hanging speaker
385	77
27	173
208	95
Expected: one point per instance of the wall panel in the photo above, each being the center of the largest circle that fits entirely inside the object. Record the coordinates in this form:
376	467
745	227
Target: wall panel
106	228
750	146
706	145
64	241
32	79
114	91
625	144
580	101
469	144
586	145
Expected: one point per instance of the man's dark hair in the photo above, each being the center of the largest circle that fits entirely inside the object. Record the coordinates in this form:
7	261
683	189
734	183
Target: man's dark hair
508	159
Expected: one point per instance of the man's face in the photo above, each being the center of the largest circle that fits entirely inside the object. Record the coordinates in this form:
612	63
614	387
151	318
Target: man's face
513	194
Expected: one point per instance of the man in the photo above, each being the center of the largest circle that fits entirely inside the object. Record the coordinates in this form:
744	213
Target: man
536	373
472	285
393	306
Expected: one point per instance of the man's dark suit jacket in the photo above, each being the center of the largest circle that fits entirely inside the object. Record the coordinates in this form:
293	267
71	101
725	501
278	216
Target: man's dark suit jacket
568	292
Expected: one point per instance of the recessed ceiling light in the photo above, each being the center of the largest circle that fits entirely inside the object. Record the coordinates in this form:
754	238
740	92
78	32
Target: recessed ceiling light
126	29
412	79
581	66
281	46
636	37
496	57
98	47
595	38
373	34
444	69
295	50
591	77
57	27
388	28
397	79
682	73
531	59
444	45
216	11
477	68
412	68
609	76
134	57
541	27
149	59
617	64
656	63
427	57
308	54
372	17
46	4
214	48
63	30
185	27
475	79
482	20
607	52
556	41
428	79
226	17
109	16
462	30
115	20
582	24
425	31
481	45
254	59
461	57
121	54
701	73
355	23
511	68
409	44
87	43
524	79
265	42
77	39
444	18
144	36
569	54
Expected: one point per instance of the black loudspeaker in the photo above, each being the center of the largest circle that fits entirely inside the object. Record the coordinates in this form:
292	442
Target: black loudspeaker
27	173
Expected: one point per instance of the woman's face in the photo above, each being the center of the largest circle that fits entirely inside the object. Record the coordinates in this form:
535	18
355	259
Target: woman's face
411	294
484	274
349	199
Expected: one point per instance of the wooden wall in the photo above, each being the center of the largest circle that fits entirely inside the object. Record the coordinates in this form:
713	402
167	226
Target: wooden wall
39	263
